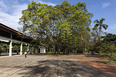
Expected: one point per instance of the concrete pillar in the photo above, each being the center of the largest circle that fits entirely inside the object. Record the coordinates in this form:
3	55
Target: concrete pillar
35	50
28	48
21	48
32	49
10	48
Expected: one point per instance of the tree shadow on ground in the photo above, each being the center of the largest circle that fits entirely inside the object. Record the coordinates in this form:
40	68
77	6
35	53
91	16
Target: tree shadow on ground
63	68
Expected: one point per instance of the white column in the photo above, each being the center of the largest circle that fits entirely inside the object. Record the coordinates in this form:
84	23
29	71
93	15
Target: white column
44	50
21	47
36	50
32	50
10	48
28	48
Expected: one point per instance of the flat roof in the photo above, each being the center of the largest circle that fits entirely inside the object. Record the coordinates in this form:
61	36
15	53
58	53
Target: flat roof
8	29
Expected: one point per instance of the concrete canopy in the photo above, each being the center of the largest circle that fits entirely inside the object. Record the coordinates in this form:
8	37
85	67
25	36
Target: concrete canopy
11	35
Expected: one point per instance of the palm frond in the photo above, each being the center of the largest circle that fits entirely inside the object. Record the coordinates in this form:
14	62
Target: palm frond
105	26
96	21
96	25
101	20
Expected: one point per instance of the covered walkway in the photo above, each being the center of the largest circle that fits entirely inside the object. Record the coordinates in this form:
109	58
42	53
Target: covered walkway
13	37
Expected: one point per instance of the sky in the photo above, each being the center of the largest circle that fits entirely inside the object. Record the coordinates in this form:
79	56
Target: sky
11	11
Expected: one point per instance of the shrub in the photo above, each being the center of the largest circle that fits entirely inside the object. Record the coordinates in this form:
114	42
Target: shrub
107	49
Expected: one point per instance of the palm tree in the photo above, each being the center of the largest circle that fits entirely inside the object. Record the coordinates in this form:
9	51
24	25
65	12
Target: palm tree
99	24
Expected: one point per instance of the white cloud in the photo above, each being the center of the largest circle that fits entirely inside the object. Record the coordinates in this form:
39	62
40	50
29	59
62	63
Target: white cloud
94	6
12	20
113	27
2	4
11	11
105	5
49	3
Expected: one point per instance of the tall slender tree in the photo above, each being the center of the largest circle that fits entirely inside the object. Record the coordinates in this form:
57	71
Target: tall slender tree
99	24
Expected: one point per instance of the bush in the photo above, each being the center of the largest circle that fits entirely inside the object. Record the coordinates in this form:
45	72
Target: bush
111	56
107	49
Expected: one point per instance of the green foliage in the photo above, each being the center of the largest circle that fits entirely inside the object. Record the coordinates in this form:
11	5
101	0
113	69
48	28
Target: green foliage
106	47
111	38
3	47
114	63
98	28
63	26
112	55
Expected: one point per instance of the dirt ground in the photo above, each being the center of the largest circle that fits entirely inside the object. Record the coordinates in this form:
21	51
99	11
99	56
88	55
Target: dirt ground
95	61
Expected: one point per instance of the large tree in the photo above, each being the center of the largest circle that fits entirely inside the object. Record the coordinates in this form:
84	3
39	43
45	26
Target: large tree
62	25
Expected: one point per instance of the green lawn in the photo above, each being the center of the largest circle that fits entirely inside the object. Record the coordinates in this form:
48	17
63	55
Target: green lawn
50	52
114	63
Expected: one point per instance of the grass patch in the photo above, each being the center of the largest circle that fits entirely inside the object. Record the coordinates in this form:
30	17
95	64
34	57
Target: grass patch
50	52
113	63
86	53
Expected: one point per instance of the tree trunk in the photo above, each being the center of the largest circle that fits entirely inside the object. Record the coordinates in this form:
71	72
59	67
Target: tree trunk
63	52
58	50
76	50
83	51
47	50
99	34
53	52
67	52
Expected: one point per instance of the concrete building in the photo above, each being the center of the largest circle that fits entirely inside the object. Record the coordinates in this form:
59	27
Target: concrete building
42	49
13	36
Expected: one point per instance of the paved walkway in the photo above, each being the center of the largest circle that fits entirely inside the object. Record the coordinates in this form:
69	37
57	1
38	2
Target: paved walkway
47	66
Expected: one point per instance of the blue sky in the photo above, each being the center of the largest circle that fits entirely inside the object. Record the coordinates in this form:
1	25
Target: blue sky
10	11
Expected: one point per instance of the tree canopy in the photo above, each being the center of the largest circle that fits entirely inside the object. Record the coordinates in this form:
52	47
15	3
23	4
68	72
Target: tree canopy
64	26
